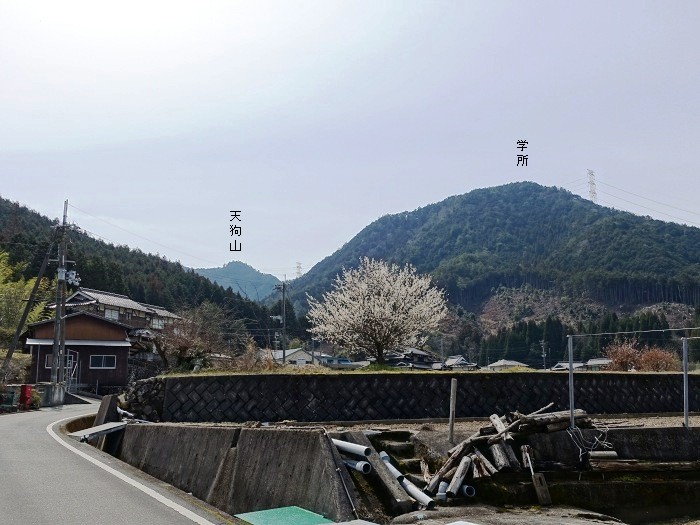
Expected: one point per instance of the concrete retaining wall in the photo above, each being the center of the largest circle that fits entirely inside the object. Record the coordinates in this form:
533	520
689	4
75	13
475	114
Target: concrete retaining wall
646	444
412	395
243	470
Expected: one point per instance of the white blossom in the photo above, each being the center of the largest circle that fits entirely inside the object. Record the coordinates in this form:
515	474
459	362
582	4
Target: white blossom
377	307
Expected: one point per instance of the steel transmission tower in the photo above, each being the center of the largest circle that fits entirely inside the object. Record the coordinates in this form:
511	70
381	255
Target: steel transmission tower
592	194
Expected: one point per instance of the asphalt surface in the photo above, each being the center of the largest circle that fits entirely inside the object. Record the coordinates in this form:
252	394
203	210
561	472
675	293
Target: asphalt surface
43	481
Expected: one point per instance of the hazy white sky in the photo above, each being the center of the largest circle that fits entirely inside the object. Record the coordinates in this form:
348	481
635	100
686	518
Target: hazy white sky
155	119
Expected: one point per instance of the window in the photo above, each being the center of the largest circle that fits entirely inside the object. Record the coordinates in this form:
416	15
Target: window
103	361
111	314
49	360
157	323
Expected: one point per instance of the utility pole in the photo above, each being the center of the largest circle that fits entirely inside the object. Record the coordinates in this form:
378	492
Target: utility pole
283	288
58	337
544	354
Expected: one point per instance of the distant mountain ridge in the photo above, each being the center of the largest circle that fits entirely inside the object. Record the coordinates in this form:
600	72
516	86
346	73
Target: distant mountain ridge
242	278
527	234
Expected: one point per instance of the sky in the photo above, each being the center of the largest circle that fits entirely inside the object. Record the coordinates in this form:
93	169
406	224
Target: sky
312	119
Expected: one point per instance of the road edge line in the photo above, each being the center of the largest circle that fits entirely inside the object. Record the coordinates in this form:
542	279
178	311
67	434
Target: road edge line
140	486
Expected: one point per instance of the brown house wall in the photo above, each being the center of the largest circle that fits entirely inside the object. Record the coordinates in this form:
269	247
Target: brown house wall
84	327
105	377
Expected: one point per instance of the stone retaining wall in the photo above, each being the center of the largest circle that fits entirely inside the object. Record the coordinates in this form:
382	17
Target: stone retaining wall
412	395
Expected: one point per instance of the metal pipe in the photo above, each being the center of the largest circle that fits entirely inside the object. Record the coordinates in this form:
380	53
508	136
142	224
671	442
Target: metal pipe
352	448
572	421
394	471
417	494
467	490
360	466
686	423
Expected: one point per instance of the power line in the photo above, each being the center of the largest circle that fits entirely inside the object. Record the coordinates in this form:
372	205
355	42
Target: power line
651	209
141	236
637	332
650	200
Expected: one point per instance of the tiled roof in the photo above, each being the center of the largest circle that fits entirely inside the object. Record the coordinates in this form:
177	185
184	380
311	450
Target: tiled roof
112	299
119	301
160	311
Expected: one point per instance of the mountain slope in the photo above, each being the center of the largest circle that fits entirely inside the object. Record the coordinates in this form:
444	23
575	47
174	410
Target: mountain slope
524	233
152	279
242	278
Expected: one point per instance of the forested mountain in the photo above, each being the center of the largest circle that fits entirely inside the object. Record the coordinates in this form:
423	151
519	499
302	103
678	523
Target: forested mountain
527	234
25	234
242	278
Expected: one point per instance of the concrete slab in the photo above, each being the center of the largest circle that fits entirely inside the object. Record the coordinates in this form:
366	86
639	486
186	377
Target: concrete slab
99	430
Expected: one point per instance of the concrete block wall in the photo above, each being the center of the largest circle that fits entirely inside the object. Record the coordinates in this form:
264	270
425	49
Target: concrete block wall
243	470
411	395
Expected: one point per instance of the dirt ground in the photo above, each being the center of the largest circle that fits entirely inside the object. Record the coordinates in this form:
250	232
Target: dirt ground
485	515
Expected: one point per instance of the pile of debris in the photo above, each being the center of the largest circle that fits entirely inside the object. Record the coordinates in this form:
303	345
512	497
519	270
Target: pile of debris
469	458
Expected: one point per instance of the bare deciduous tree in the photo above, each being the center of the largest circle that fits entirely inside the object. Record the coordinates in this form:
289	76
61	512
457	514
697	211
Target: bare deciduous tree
377	307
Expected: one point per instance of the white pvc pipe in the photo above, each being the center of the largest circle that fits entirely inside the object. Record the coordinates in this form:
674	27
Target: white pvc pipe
417	494
352	448
394	471
467	490
360	466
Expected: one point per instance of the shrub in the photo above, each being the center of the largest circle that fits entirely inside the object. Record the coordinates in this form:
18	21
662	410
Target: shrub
623	355
658	360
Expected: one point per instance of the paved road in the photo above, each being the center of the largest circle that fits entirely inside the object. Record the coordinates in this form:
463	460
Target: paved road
42	481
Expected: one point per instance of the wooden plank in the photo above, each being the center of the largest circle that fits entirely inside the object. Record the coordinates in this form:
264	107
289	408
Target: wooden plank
454	459
459	476
631	465
552	417
425	470
602	454
500	427
500	459
541	489
489	466
512	458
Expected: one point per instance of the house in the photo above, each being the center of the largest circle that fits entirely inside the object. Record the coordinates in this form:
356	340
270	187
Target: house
412	358
339	362
458	362
96	351
121	308
505	364
564	365
598	363
290	356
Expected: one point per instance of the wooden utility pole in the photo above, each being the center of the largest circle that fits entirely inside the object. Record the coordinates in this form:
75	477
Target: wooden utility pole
57	355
